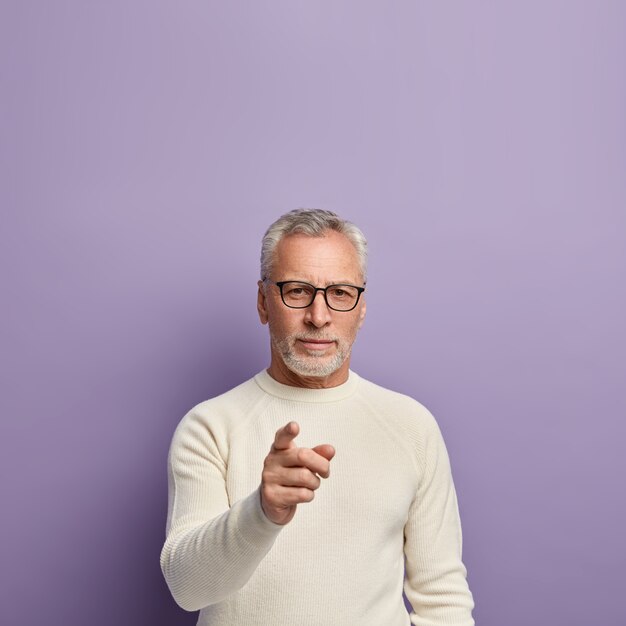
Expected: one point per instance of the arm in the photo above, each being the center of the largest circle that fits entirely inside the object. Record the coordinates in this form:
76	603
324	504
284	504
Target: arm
212	548
436	584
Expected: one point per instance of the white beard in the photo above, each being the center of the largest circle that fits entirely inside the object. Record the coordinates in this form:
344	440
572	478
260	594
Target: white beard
314	363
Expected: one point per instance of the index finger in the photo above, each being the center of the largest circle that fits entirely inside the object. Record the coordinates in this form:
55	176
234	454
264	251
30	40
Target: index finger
285	435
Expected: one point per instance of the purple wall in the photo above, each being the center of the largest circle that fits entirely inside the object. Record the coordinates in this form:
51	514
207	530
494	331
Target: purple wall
144	148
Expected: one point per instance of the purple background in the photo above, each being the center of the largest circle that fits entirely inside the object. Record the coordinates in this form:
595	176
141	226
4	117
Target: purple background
145	147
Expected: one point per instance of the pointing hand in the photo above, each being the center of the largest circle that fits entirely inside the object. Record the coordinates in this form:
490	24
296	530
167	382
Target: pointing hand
291	474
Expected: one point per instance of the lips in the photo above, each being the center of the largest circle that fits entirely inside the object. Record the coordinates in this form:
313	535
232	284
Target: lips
316	344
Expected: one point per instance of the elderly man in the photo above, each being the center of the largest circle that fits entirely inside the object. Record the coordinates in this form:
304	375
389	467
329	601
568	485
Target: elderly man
354	501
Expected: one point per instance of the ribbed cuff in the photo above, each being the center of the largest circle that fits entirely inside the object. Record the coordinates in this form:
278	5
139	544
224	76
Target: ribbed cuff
252	523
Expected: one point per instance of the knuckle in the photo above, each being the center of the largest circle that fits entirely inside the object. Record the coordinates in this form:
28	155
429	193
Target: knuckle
306	495
273	459
266	492
301	455
268	477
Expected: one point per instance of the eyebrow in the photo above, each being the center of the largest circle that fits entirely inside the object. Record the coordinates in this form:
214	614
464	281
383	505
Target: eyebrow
332	282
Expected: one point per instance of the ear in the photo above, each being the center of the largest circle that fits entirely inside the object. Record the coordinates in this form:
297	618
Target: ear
261	303
362	313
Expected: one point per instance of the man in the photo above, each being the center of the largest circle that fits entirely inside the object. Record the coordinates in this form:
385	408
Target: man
356	488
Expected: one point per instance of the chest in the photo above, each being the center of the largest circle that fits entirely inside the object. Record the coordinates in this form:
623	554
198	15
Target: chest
373	478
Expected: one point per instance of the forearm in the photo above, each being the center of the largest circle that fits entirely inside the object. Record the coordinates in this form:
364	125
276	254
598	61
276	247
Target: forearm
436	583
205	563
443	598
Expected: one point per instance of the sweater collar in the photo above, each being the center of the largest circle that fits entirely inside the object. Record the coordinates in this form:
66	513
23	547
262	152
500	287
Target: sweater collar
302	394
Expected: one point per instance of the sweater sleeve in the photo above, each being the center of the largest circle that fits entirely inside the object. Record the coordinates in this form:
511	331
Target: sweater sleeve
436	584
212	548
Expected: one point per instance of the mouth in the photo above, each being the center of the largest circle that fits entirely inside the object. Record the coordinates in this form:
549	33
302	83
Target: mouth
315	344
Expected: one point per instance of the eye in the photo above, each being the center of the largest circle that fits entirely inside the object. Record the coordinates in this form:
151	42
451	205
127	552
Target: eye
297	290
342	292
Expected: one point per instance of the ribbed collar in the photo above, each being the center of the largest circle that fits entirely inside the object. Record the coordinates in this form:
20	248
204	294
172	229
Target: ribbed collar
302	394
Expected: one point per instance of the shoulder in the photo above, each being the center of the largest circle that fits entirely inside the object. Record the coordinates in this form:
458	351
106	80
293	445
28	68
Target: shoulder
239	399
217	417
402	417
397	406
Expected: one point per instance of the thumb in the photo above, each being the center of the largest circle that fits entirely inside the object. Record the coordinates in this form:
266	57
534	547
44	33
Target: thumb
325	450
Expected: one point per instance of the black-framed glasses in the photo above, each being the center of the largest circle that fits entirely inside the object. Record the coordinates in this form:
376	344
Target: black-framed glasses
298	295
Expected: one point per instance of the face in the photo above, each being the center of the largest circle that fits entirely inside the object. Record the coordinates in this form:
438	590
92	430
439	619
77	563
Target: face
311	347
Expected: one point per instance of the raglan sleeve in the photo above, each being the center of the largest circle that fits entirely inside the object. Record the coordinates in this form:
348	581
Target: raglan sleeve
436	578
212	546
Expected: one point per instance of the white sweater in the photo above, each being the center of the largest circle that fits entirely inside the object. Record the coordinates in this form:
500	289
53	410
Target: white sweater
389	503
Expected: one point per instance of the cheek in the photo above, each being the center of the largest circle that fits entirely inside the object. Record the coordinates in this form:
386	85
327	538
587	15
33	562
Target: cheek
279	323
350	329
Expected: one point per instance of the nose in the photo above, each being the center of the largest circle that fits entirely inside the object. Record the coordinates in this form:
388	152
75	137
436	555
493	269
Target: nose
318	314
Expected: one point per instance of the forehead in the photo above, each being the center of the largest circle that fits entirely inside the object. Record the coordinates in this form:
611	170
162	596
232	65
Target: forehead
329	258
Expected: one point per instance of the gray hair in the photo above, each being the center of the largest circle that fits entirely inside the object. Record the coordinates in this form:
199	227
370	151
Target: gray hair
312	222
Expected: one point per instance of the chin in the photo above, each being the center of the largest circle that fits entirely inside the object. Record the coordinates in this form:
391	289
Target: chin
312	367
